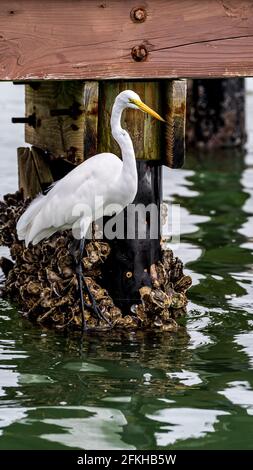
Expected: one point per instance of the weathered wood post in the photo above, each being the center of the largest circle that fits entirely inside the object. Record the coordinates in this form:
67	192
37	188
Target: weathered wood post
129	265
56	132
70	125
216	113
130	260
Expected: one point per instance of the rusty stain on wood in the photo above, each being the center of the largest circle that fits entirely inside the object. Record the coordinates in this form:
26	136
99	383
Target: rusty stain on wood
78	40
61	135
175	116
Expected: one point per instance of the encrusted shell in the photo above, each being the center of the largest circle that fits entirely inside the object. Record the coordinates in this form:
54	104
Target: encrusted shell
43	280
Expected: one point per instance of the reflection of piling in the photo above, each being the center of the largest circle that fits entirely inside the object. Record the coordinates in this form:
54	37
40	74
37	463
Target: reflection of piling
215	113
74	125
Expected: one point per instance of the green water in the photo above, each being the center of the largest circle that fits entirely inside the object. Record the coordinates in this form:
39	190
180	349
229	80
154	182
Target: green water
191	390
188	390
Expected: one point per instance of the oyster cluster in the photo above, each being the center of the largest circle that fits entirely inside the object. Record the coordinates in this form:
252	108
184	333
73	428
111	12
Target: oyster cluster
42	280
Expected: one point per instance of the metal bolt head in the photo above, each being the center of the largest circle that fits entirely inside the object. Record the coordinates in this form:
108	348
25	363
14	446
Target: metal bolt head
139	53
138	15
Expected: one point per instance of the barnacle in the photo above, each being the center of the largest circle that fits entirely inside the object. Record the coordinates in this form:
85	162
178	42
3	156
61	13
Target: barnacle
42	279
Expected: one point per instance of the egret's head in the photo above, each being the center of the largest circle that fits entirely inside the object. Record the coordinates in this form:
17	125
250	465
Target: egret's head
130	99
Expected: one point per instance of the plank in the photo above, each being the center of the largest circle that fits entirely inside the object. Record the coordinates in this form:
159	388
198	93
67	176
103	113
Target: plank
61	135
27	175
175	115
90	103
33	170
89	39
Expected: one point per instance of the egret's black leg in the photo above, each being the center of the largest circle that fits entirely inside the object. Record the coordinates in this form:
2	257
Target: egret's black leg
79	270
96	309
77	249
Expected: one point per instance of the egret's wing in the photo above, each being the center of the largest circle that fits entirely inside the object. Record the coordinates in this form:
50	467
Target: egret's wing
71	198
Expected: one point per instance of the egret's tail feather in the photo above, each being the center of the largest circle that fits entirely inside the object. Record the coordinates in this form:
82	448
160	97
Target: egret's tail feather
41	235
24	224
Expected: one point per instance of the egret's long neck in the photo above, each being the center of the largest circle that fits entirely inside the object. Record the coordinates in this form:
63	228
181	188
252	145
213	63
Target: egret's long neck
124	140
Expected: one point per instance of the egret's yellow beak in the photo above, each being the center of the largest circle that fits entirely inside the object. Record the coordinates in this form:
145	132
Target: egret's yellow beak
143	107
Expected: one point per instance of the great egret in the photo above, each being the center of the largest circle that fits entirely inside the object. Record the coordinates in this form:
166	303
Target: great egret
104	177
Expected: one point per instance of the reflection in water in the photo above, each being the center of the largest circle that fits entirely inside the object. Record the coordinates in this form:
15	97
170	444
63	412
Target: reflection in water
184	423
195	328
246	341
103	425
192	389
246	229
240	393
186	377
9	416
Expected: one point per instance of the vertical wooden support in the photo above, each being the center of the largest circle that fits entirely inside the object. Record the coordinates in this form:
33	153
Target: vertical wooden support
61	123
130	260
129	264
175	115
91	91
58	123
216	113
139	125
65	121
33	171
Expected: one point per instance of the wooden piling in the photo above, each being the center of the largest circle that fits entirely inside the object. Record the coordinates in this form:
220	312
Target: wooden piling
90	104
139	125
33	171
155	143
63	131
175	115
216	113
72	123
129	266
59	112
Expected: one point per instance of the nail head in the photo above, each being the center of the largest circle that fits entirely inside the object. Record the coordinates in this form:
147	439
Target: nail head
139	53
138	15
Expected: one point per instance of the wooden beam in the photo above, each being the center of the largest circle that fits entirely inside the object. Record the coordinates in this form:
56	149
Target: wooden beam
87	39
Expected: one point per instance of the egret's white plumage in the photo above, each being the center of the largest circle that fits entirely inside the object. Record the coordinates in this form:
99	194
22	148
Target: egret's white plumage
74	199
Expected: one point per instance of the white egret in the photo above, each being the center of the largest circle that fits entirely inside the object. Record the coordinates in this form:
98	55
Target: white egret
104	177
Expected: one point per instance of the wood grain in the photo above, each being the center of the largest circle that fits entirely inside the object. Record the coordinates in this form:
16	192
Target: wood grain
175	115
89	39
33	170
60	135
91	93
